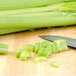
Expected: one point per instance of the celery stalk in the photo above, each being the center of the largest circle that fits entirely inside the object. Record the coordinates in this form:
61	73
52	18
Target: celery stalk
6	31
20	4
37	20
54	7
20	15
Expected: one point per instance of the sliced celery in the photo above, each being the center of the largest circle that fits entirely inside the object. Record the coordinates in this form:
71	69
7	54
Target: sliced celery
36	47
62	7
25	55
39	59
18	53
54	64
54	49
61	45
44	52
3	48
28	48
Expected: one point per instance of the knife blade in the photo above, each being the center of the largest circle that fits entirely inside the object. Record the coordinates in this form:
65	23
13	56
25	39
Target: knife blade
70	41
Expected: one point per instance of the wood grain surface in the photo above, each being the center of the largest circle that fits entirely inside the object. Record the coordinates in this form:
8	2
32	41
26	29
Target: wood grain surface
11	66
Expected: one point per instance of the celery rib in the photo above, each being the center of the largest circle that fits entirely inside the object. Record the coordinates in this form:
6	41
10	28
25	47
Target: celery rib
37	20
20	4
11	30
54	7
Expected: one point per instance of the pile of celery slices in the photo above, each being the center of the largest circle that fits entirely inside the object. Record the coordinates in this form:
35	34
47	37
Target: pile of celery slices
43	50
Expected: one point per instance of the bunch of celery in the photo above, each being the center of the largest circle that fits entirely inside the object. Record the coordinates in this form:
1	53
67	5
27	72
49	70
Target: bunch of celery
20	15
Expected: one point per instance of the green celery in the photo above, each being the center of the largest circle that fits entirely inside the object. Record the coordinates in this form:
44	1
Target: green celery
3	48
20	4
71	6
54	64
46	44
61	45
18	53
44	52
25	55
28	48
36	47
11	30
39	59
54	49
37	20
30	14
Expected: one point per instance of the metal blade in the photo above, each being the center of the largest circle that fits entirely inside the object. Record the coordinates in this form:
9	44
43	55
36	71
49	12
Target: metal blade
71	42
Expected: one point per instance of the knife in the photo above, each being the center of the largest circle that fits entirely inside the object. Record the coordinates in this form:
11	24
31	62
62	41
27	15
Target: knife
70	41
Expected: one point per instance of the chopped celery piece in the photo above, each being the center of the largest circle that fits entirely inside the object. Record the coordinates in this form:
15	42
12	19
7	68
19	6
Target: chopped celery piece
39	59
45	52
18	53
61	45
29	48
54	64
46	44
51	48
36	47
3	48
25	55
41	45
54	49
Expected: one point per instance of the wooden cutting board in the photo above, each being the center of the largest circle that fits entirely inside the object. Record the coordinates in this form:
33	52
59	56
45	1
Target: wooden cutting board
11	66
